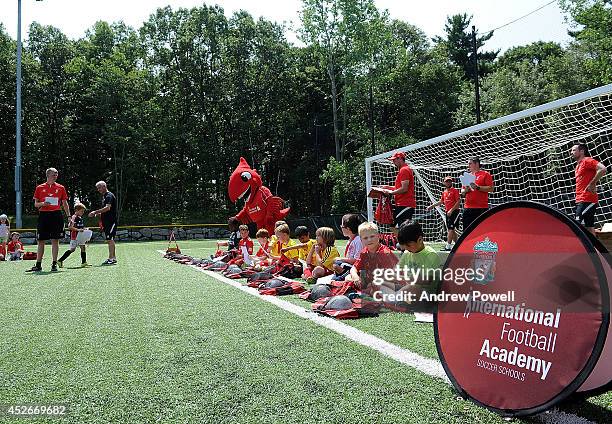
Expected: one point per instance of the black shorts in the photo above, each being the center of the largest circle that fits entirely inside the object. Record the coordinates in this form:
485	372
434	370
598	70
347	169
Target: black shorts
110	230
585	214
402	214
50	226
452	220
470	215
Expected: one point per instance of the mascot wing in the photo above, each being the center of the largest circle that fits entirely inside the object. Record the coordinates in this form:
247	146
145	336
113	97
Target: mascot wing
274	210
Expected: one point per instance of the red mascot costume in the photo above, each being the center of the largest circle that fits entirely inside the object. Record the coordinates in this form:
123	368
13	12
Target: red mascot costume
261	207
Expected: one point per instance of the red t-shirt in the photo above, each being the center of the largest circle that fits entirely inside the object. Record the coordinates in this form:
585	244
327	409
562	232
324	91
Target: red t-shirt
246	242
14	246
585	171
475	199
364	252
2	251
405	199
260	253
54	190
450	197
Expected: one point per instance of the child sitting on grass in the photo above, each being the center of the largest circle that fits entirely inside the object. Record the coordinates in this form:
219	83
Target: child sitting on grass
244	241
343	265
262	257
76	227
373	255
234	238
322	254
418	256
283	240
15	248
304	245
416	253
274	239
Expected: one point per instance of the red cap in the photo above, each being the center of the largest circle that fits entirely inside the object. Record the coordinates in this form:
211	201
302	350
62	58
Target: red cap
398	155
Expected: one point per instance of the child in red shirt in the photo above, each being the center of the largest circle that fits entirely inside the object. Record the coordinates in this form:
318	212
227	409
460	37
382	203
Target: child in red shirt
374	255
245	241
15	248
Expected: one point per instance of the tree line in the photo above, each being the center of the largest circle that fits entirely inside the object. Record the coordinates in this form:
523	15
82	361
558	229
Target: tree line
164	112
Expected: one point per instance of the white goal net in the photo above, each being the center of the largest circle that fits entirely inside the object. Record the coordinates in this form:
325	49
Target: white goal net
527	154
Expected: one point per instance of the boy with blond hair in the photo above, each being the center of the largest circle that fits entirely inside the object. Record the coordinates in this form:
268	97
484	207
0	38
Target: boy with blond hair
283	240
322	254
368	258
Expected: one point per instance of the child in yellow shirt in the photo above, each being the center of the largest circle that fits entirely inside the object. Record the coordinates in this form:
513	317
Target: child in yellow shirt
304	245
322	254
282	241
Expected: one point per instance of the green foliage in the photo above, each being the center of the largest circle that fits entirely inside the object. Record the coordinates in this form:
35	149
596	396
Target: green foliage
593	37
459	47
165	111
347	183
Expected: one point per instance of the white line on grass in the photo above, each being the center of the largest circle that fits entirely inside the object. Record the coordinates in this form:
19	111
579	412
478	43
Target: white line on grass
428	366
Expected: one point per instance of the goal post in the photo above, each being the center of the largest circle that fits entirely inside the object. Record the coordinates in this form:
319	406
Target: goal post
526	152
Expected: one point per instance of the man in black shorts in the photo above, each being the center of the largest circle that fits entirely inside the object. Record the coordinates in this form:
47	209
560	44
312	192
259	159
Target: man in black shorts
588	172
49	198
108	220
403	191
451	199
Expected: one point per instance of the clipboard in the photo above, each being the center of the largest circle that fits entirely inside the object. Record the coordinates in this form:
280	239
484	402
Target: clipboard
466	179
54	201
376	195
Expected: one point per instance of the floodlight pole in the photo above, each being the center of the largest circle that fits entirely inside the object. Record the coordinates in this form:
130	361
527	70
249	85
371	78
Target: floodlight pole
18	206
18	203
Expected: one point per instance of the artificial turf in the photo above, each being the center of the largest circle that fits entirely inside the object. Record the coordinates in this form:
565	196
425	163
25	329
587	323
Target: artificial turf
149	340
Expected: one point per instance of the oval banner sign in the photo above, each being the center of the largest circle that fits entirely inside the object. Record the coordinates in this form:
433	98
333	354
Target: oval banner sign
531	324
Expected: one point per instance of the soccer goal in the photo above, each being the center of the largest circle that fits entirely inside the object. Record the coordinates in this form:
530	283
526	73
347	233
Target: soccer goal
526	152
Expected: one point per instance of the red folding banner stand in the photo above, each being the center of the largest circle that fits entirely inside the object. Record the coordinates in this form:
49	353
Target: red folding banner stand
171	239
531	326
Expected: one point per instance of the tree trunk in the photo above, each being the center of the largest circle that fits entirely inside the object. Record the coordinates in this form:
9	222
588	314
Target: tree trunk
332	78
343	151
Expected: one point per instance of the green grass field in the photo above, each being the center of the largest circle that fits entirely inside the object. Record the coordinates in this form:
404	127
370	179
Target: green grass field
153	341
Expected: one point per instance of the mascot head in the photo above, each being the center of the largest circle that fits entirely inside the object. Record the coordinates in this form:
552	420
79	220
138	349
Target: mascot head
243	182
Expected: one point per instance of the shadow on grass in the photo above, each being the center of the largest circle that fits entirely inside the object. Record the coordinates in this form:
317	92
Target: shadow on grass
580	406
583	407
41	273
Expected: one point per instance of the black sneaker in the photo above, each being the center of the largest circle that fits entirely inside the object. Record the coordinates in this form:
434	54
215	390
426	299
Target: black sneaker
54	268
35	269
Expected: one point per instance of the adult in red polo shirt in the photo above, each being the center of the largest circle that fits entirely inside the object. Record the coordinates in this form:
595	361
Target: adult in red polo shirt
403	191
451	199
49	198
476	194
588	172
